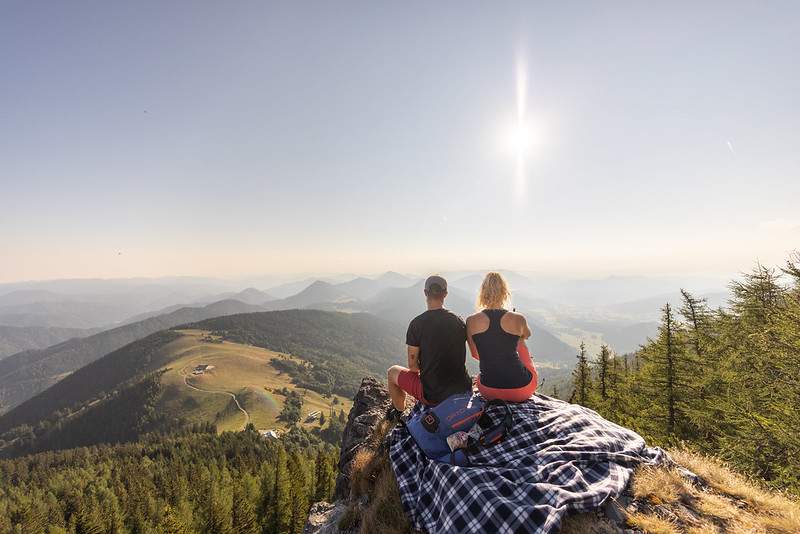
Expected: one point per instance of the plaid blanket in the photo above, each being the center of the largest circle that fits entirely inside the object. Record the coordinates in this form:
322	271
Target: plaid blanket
557	458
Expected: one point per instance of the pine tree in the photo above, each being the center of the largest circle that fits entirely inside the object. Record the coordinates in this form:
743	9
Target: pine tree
282	503
111	514
266	501
666	374
218	515
581	378
697	316
761	356
299	492
708	386
34	520
172	523
615	379
602	364
243	514
324	476
88	521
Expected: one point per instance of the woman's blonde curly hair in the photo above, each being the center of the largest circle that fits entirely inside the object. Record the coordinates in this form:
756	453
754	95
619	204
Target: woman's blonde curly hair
494	292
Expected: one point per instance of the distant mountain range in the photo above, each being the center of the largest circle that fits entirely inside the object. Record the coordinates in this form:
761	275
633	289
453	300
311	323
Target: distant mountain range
399	305
97	303
64	314
14	339
320	294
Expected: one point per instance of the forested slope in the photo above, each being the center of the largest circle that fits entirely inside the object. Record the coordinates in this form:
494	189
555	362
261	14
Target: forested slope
103	376
14	339
197	482
726	381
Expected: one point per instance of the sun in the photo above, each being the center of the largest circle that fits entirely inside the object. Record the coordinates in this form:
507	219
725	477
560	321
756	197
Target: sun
519	140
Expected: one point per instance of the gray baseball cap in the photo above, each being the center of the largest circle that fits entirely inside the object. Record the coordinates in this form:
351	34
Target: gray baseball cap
436	284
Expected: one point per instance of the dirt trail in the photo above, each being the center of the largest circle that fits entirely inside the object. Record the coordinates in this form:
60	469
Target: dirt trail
231	395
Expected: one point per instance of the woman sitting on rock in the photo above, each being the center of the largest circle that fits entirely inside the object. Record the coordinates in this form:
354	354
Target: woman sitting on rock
496	338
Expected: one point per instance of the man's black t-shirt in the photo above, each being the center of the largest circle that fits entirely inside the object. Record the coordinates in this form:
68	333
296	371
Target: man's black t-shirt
441	336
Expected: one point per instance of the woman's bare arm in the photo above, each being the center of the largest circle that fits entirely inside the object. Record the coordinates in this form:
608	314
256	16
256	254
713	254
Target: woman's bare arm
524	330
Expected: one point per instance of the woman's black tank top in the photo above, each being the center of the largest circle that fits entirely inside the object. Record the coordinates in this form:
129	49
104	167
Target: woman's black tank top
500	363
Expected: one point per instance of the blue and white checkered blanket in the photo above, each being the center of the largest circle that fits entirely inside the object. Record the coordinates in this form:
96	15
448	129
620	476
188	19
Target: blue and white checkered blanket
557	458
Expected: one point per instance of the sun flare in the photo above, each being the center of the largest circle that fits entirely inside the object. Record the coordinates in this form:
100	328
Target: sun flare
519	140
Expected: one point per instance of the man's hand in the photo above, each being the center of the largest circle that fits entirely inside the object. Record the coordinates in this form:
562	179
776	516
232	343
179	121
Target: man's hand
413	359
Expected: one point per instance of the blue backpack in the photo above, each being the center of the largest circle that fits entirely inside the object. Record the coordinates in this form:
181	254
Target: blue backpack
431	427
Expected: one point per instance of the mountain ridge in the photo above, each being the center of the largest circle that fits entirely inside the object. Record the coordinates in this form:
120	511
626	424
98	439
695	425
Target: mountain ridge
331	342
25	374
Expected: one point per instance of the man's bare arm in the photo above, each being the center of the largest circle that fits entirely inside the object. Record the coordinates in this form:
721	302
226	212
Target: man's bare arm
413	359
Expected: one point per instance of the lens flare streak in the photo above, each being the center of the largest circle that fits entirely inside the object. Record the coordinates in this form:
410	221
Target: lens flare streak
522	136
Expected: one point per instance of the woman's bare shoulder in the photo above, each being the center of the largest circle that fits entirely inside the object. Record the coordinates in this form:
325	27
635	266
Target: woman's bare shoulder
515	322
516	316
476	319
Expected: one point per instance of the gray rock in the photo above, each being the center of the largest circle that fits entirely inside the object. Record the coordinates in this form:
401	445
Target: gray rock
324	518
369	406
693	478
615	511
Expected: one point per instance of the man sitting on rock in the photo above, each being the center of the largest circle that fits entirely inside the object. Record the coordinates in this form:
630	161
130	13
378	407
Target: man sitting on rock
436	354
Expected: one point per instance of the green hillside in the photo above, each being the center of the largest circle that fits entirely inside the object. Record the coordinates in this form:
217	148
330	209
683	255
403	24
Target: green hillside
242	387
149	385
342	348
24	375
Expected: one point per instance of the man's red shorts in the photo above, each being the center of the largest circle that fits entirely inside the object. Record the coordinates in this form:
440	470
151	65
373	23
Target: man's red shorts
410	382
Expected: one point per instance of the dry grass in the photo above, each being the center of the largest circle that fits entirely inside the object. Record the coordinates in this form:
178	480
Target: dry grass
372	482
718	507
385	513
652	524
725	481
660	486
731	503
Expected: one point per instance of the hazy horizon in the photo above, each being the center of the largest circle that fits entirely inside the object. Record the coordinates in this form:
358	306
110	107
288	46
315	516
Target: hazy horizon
201	139
265	281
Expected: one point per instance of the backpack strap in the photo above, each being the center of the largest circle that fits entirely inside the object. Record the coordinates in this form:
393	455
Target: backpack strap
498	431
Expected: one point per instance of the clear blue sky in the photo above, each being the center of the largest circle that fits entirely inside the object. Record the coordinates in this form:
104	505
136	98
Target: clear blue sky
225	138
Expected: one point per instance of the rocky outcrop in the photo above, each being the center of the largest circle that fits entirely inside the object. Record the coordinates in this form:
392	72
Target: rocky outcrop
369	406
323	518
